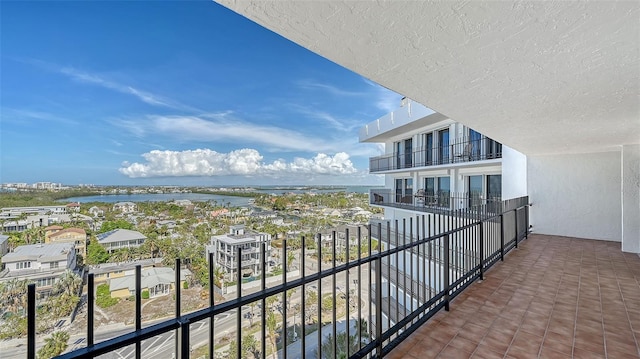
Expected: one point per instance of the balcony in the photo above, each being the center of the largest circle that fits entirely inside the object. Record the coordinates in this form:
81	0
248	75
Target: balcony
557	292
555	297
459	152
435	203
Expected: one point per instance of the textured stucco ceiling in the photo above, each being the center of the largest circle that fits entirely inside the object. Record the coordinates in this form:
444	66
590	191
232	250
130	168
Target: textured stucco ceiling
539	76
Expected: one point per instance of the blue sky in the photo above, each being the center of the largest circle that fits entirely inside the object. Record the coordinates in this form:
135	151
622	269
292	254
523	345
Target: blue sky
185	93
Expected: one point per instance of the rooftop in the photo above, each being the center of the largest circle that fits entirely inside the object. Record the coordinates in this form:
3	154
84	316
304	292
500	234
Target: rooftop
554	297
38	252
118	235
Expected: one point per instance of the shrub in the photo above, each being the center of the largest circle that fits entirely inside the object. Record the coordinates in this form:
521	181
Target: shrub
103	297
145	294
185	285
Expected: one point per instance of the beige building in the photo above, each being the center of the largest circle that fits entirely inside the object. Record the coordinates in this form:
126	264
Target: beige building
57	234
157	281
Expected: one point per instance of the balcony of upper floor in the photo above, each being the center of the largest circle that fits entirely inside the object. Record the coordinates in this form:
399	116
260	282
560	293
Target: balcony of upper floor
435	202
464	151
409	117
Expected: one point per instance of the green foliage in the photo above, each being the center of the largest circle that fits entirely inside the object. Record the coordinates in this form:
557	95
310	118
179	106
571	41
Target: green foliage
117	224
144	294
54	345
96	254
280	204
14	326
185	285
103	297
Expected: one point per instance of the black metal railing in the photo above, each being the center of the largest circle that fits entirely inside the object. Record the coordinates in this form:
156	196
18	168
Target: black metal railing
437	202
394	280
456	151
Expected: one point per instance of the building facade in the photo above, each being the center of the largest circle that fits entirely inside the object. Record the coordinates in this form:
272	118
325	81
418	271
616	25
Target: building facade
225	251
125	207
77	236
120	238
40	263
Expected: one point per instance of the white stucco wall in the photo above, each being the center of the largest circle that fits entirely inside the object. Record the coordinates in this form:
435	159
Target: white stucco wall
631	198
576	195
514	173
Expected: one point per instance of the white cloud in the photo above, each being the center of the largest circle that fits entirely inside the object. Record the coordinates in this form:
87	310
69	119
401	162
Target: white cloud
146	97
245	162
329	88
224	128
385	99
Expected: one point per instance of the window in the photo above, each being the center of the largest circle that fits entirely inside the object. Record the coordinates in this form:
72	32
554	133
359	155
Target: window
475	190
428	148
443	146
404	190
404	153
494	186
444	191
475	138
54	265
23	265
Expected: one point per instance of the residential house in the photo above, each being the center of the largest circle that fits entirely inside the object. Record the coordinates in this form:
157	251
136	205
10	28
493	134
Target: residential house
225	250
96	211
106	271
73	207
120	238
158	281
125	207
78	236
39	263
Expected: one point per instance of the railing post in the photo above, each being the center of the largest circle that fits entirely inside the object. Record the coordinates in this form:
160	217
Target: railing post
502	237
90	308
185	346
526	221
446	273
138	307
212	343
378	305
515	221
178	308
31	321
481	250
239	313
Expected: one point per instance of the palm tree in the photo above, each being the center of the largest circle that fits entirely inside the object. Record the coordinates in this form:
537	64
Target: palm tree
68	283
14	295
54	345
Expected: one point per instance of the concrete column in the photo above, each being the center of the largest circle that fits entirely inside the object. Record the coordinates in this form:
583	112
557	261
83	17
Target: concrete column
631	198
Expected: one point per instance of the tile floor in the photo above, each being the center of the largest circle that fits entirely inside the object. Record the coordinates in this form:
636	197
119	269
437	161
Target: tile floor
554	297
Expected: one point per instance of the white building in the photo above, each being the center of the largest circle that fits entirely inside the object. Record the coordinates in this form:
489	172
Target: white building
225	250
4	244
125	207
120	238
432	163
39	263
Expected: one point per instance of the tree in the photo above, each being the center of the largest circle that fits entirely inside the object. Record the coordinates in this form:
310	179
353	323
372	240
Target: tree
68	283
54	345
310	304
96	254
271	328
13	295
345	346
117	224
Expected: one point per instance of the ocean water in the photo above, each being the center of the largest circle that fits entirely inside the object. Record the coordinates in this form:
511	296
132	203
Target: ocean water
230	200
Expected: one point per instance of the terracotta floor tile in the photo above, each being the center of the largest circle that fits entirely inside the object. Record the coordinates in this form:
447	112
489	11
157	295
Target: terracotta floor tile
548	353
548	295
451	352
